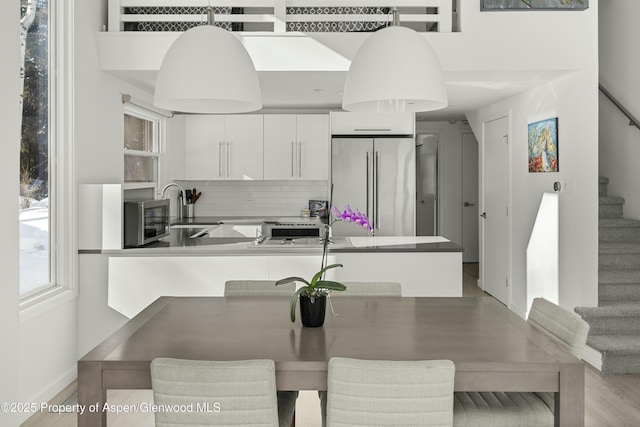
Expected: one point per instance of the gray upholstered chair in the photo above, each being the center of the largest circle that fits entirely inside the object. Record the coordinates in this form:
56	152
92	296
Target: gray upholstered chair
372	289
385	393
354	289
267	288
215	393
510	409
257	288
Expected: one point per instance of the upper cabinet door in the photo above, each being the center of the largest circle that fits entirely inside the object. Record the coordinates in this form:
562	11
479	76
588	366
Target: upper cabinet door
204	150
243	144
313	146
280	147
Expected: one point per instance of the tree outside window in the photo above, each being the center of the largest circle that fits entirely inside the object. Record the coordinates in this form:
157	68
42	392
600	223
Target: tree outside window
35	256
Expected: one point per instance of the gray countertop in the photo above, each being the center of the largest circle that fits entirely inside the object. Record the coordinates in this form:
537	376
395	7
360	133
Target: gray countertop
180	242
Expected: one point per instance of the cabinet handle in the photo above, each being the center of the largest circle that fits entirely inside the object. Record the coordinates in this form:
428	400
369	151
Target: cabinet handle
299	159
293	150
229	147
219	159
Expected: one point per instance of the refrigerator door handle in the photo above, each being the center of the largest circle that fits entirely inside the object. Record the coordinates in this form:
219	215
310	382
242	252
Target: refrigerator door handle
367	183
376	196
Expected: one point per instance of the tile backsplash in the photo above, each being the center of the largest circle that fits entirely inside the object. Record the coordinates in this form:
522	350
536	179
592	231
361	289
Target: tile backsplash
255	198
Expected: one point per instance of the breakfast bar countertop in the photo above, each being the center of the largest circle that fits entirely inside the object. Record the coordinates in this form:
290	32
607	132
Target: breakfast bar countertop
180	243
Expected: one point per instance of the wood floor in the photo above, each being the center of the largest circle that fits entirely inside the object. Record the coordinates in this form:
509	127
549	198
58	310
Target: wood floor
611	400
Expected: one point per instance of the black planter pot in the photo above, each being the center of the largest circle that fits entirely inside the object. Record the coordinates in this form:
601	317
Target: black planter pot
312	311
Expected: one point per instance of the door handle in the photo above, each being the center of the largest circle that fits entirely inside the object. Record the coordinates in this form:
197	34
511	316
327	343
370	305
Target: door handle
465	204
483	215
367	180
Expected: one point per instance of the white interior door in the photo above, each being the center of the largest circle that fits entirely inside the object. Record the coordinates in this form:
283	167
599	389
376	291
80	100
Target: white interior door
495	204
470	231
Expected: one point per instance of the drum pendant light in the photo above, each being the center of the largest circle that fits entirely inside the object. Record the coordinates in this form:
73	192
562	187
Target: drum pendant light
207	70
395	70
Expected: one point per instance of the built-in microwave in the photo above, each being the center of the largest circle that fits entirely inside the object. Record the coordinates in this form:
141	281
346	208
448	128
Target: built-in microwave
145	222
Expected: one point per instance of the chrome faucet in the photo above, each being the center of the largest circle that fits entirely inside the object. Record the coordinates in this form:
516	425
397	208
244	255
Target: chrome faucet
182	195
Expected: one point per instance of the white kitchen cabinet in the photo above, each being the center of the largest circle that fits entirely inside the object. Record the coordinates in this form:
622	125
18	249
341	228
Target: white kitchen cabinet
296	147
203	147
353	123
223	147
243	147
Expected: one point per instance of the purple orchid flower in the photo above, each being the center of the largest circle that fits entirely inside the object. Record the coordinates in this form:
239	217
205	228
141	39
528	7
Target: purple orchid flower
349	215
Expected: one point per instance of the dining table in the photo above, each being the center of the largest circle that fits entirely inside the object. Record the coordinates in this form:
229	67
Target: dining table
493	349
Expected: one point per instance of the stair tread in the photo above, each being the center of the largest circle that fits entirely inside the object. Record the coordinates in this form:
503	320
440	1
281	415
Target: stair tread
615	344
617	310
614	248
618	222
610	200
618	275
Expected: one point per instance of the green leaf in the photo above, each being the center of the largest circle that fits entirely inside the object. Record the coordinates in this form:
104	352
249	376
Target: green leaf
291	279
318	275
331	285
294	302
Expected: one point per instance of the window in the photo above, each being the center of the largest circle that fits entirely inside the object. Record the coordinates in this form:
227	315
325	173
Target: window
141	145
36	172
47	261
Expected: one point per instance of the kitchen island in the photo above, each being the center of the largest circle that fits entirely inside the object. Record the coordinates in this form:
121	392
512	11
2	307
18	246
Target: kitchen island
184	266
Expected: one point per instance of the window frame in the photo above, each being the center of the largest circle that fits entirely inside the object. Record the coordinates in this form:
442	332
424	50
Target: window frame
137	109
62	286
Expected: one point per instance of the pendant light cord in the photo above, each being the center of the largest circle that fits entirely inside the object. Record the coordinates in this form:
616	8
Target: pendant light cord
210	19
395	17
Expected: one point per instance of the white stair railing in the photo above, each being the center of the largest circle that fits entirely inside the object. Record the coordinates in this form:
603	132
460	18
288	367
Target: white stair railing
275	15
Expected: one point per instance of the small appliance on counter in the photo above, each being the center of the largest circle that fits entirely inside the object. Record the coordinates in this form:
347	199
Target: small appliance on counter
319	208
145	222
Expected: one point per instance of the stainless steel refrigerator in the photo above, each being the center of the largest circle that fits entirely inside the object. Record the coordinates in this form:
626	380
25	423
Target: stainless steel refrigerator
378	177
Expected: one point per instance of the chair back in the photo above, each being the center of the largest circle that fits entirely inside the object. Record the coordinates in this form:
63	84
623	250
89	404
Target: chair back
372	289
561	325
381	392
214	393
258	288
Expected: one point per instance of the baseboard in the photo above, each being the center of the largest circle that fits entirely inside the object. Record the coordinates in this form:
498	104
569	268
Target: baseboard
519	310
479	283
53	393
593	357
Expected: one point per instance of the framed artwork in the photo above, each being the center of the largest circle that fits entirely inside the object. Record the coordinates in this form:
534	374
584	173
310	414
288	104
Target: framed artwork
543	145
533	4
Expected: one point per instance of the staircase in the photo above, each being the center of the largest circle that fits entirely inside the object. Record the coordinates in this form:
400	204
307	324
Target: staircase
615	323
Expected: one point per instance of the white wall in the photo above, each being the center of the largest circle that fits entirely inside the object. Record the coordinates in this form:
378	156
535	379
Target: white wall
619	70
573	100
98	136
449	174
9	172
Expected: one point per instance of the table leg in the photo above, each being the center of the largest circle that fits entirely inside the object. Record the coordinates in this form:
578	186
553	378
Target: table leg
569	401
91	396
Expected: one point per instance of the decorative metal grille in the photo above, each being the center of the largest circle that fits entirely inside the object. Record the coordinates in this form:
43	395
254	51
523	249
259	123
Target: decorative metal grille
309	27
179	26
336	26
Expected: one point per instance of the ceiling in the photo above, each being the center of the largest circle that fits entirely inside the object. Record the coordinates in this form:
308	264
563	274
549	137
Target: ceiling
322	90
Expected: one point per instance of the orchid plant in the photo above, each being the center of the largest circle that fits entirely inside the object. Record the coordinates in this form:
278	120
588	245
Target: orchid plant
318	286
